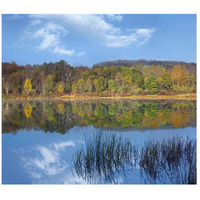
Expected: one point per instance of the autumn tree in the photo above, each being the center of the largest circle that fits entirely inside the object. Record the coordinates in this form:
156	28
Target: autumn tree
60	87
27	86
184	77
176	74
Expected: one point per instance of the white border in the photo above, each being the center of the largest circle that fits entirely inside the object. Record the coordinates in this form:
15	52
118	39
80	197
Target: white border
154	192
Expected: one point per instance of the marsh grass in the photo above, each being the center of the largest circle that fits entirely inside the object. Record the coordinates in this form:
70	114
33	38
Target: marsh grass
106	157
102	157
170	161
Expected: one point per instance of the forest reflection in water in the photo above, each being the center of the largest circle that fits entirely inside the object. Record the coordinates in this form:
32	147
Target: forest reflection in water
106	158
58	116
99	141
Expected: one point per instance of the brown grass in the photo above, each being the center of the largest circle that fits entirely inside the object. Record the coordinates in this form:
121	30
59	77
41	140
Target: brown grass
189	96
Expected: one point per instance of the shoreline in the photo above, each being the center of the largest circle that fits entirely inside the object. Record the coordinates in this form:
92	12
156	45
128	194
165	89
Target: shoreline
136	97
192	96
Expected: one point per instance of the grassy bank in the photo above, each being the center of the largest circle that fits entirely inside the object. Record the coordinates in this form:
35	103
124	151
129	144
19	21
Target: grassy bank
189	96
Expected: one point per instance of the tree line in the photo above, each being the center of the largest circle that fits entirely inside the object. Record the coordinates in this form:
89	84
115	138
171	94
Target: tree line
52	79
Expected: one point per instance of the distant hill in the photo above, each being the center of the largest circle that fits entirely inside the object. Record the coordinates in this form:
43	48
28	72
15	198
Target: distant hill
191	67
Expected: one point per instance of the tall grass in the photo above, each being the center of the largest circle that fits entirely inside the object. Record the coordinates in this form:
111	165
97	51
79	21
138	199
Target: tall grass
102	157
170	161
105	156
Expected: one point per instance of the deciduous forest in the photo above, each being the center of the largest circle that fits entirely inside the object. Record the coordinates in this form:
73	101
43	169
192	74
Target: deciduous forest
124	78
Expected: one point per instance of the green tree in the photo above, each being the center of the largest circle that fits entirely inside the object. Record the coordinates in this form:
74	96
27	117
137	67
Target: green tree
74	88
138	79
14	81
151	84
112	85
166	81
100	84
90	84
49	83
80	85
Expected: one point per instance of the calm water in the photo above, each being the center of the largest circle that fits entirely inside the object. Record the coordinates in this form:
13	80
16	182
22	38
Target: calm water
40	141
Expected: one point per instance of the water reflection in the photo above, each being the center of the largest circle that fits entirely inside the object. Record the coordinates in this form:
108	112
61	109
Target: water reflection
103	157
110	159
62	116
106	158
45	161
172	161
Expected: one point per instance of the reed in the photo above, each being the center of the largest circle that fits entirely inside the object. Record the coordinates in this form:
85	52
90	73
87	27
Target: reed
170	161
106	156
102	157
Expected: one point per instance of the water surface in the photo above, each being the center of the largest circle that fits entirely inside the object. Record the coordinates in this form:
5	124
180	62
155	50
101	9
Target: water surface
40	140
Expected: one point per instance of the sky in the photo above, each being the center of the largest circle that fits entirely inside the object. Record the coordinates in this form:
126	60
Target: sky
89	39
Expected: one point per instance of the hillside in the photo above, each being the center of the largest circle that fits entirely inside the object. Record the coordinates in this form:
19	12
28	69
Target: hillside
191	67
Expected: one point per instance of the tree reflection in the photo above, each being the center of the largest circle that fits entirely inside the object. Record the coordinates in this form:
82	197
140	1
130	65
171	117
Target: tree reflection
28	110
62	116
105	158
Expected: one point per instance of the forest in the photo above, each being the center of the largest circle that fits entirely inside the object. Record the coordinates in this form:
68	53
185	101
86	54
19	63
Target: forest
107	79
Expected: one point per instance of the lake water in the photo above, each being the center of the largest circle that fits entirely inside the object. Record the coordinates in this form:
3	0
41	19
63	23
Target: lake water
41	141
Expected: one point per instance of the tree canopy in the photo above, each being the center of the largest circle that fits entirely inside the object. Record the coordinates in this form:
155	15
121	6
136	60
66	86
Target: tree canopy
61	78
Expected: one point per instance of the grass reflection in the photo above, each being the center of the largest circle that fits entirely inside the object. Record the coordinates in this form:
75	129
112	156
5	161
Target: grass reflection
171	161
106	157
102	157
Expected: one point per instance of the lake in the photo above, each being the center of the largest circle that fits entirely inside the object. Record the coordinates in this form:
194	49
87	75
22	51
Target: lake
99	142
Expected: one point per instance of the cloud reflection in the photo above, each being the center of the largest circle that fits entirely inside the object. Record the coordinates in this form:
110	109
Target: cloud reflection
44	161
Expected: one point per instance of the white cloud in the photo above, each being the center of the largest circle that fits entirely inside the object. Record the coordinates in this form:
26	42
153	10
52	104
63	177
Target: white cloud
81	53
62	51
98	28
47	36
49	40
139	37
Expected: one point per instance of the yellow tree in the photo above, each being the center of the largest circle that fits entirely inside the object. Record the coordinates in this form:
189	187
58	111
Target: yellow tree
27	86
184	79
60	89
176	75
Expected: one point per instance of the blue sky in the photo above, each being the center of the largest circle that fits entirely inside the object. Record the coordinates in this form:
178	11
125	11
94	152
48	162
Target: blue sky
89	39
